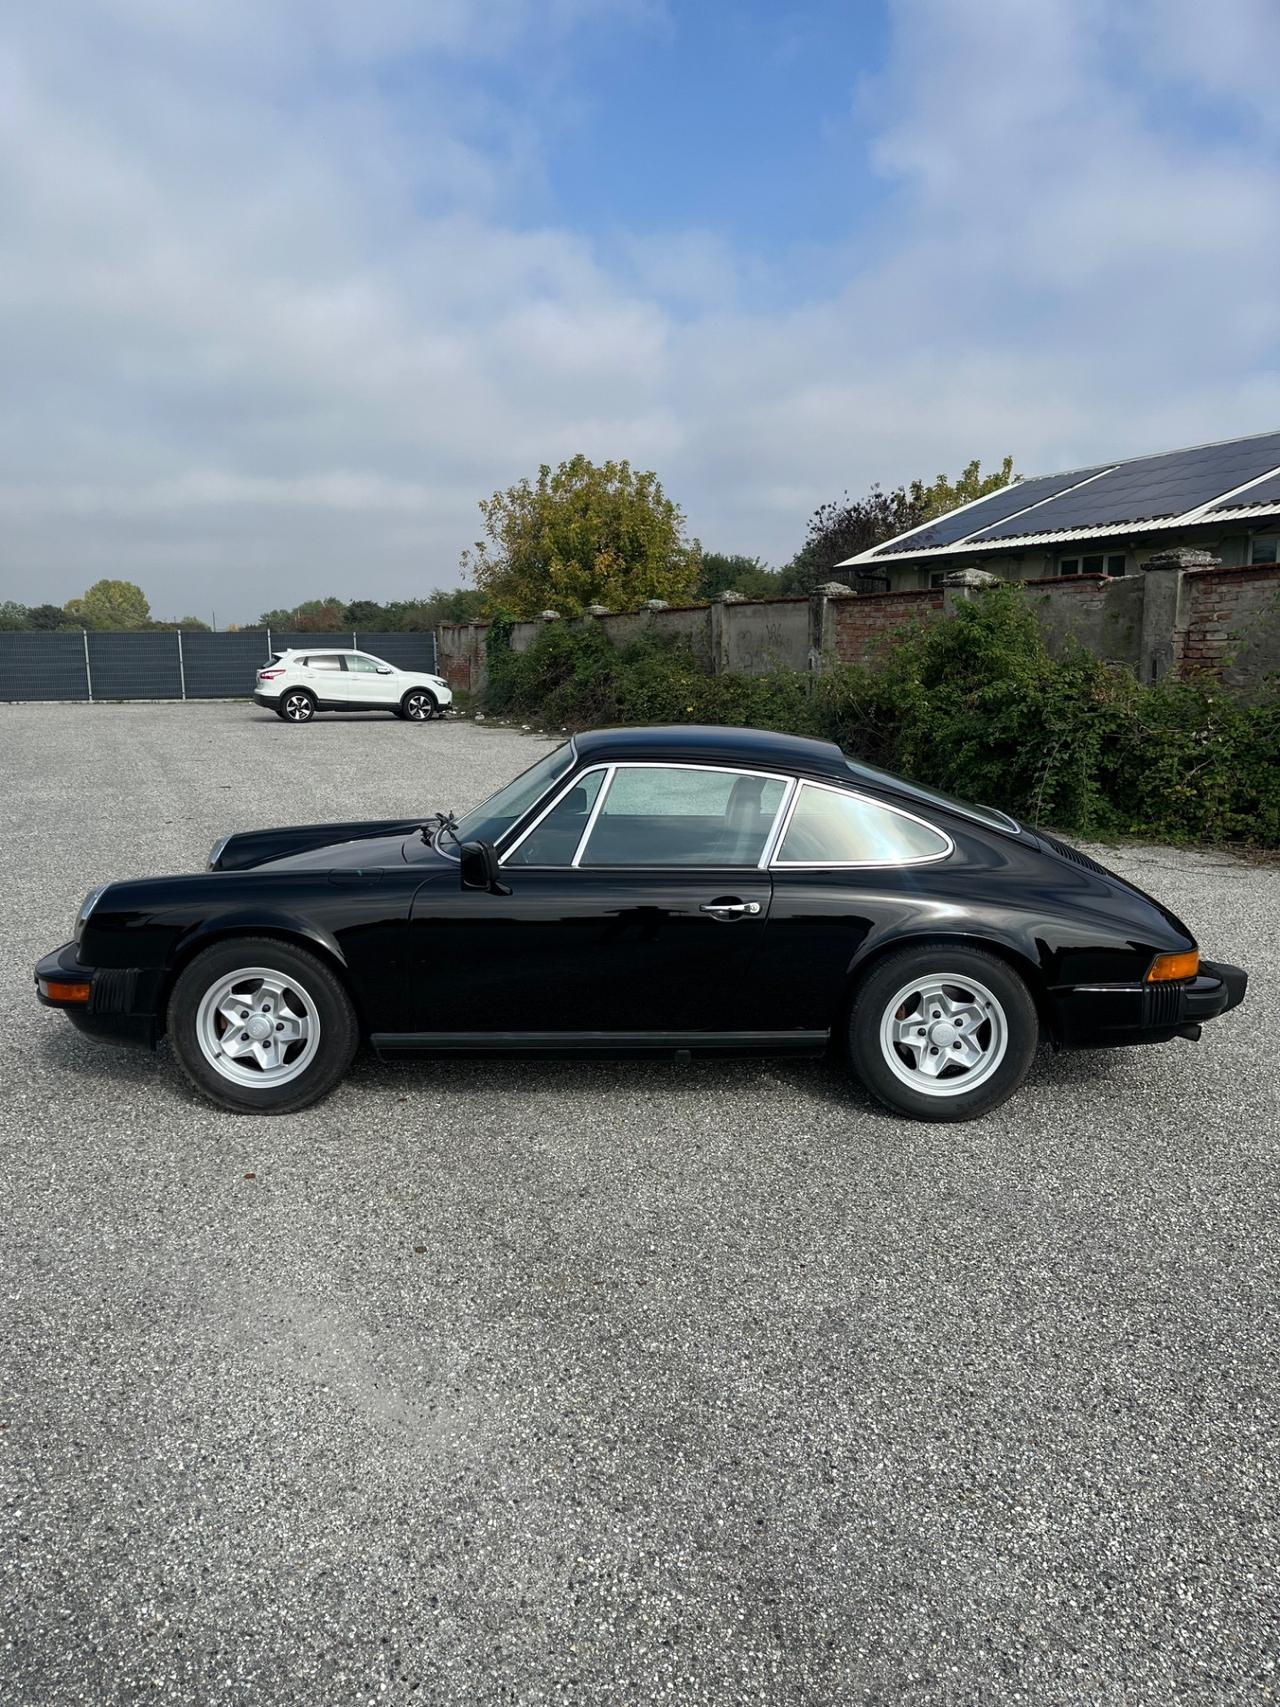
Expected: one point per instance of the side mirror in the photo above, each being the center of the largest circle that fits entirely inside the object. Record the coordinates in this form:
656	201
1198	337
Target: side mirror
479	866
385	670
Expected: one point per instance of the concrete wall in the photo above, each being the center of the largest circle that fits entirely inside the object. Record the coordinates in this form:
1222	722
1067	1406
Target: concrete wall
1171	616
1103	614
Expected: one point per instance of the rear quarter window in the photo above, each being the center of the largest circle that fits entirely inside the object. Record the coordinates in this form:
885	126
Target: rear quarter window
829	827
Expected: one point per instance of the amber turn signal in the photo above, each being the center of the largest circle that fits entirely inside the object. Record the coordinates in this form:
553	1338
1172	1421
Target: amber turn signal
59	991
1169	966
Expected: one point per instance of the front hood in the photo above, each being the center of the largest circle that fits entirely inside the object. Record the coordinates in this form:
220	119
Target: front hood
371	851
308	847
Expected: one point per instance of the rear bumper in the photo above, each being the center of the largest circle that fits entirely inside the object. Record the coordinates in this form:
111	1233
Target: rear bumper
1101	1016
120	1006
269	701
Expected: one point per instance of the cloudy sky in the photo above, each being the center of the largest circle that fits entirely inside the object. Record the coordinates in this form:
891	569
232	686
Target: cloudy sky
287	285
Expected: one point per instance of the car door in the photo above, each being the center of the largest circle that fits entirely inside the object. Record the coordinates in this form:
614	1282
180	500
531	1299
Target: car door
369	681
636	913
325	674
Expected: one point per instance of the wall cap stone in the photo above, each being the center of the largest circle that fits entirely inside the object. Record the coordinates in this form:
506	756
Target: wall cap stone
655	604
835	590
598	610
1181	557
549	615
729	597
970	578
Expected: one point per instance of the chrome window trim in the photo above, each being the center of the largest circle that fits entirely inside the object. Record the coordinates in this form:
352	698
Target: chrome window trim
611	768
859	864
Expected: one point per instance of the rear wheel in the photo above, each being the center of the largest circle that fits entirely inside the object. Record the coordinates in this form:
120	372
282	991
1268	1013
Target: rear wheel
418	705
943	1033
261	1027
297	706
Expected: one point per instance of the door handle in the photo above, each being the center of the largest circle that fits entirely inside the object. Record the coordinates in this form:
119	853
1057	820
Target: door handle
731	909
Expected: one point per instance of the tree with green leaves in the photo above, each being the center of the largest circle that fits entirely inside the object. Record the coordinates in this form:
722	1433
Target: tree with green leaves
582	534
48	618
110	605
845	527
750	576
13	615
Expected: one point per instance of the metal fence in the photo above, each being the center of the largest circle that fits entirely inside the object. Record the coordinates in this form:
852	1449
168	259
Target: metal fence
87	665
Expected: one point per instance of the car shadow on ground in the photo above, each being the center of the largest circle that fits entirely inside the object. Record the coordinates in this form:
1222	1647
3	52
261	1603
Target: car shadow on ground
820	1080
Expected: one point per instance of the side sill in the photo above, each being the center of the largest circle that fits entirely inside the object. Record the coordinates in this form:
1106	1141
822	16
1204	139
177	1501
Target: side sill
598	1042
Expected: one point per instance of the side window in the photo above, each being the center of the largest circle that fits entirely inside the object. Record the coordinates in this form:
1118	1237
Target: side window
676	815
324	661
555	841
830	828
359	665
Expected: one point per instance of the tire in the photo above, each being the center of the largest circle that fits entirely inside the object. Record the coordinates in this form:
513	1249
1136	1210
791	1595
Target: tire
283	989
975	1041
297	706
419	705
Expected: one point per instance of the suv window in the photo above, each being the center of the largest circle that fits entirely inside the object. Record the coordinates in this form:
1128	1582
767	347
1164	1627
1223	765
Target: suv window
556	838
359	665
681	815
324	661
829	827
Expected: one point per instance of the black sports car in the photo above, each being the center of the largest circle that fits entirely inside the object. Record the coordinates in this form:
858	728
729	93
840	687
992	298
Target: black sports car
644	891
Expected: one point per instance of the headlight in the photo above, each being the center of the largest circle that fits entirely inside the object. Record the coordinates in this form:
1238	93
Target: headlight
86	907
215	852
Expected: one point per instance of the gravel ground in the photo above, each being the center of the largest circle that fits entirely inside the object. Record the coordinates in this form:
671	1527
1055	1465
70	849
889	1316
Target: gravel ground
613	1383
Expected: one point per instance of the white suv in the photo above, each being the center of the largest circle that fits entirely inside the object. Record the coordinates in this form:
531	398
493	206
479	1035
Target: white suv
295	685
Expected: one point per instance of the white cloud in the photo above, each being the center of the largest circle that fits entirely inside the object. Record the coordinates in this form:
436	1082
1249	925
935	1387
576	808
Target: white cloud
264	336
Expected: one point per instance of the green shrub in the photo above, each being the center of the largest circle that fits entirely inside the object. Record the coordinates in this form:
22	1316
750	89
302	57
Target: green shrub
973	704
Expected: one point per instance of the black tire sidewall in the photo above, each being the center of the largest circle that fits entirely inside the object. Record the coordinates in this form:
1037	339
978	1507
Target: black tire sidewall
886	979
427	695
339	1029
298	693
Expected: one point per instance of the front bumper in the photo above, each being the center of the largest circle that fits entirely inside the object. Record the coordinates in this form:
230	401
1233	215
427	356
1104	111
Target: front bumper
121	1001
1102	1016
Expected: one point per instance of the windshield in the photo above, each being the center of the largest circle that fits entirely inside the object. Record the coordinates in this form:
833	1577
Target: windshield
991	816
491	821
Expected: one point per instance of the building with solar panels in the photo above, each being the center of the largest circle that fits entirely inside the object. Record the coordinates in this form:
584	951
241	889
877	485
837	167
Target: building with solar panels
1106	520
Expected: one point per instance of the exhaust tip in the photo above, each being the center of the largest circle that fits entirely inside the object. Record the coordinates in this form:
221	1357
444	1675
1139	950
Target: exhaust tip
1190	1032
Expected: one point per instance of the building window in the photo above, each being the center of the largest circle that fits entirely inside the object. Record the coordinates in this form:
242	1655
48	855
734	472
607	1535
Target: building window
937	577
1262	548
1096	563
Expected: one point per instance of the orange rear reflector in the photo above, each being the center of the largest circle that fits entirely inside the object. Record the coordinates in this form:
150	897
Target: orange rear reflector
1168	966
59	991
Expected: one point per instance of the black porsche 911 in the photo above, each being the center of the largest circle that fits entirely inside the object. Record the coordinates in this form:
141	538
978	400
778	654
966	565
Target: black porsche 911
644	891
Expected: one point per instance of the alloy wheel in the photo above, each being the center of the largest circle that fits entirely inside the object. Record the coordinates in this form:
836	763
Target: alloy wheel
298	708
419	707
257	1027
944	1034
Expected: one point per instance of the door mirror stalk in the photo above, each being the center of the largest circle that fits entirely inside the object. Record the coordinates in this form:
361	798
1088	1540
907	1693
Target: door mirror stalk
478	862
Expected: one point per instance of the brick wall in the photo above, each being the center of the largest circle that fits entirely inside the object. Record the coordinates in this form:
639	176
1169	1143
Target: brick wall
863	623
1233	624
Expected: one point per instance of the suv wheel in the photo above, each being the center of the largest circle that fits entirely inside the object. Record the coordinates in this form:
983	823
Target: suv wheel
297	706
943	1033
261	1027
418	705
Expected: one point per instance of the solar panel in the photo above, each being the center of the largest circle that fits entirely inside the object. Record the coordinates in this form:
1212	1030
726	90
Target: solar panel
987	511
1148	487
1265	492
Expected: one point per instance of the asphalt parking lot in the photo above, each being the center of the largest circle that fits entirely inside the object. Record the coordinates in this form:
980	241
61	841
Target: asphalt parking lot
615	1383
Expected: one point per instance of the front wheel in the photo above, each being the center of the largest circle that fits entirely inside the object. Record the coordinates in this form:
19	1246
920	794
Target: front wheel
418	705
261	1027
943	1033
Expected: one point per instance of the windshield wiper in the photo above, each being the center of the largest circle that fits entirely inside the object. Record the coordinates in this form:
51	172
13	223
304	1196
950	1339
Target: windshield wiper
442	824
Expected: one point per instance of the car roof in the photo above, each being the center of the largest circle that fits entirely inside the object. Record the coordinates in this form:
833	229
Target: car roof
693	743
